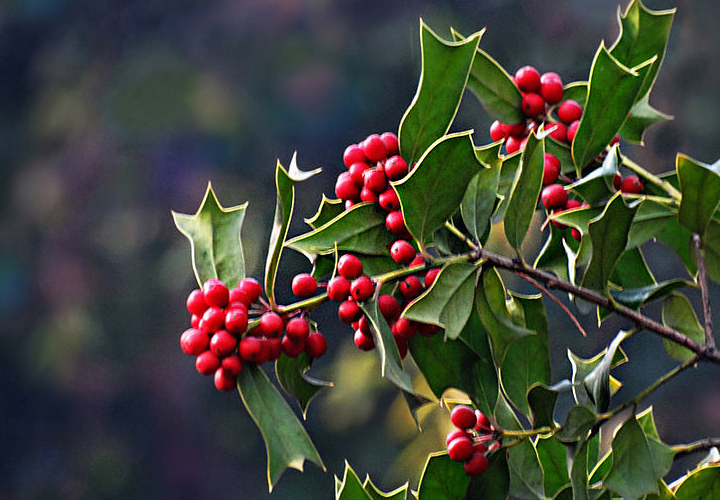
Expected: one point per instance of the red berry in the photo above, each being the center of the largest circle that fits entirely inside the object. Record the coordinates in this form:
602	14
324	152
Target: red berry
430	277
617	181
391	142
483	423
274	349
375	180
349	266
460	449
224	380
532	104
404	328
428	330
550	77
338	289
569	111
249	348
236	319
213	319
297	329
527	79
223	343
368	196
251	289
631	185
193	341
497	131
271	324
374	148
554	196
456	433
207	362
315	345
559	131
476	465
196	302
293	347
237	296
363	342
396	168
304	285
216	293
551	158
395	222
551	169
353	154
389	200
572	204
512	144
419	260
411	287
349	204
195	321
345	188
356	172
362	288
551	90
402	252
232	363
575	234
463	417
572	130
349	311
515	130
389	307
363	325
402	346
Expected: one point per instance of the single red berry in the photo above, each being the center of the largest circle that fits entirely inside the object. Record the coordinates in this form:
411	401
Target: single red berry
264	353
576	234
569	111
238	296
207	362
216	293
304	285
402	252
222	343
395	222
224	380
552	91
404	328
236	318
249	348
550	76
363	324
213	319
402	346
480	448
349	311
396	168
512	144
483	423
274	349
551	170
353	154
345	188
631	185
617	181
251	288
362	288
411	287
554	196
389	307
297	329
523	143
356	172
389	200
456	433
368	196
293	347
338	288
559	131
430	277
572	204
476	465
232	363
497	131
428	330
463	417
193	341
196	302
460	449
572	130
391	142
551	158
375	180
195	321
271	324
374	148
315	345
532	105
349	266
419	260
349	204
363	342
527	79
515	130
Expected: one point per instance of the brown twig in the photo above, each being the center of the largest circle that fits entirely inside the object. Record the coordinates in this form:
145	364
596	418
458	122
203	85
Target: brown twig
703	282
554	299
696	446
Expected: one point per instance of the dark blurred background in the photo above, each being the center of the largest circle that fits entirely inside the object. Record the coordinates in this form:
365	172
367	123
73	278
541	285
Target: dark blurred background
112	113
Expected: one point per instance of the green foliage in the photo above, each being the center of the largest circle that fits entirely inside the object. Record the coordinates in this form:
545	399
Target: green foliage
677	313
293	378
442	479
700	186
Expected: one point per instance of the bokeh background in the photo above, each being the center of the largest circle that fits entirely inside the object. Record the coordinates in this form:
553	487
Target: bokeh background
113	112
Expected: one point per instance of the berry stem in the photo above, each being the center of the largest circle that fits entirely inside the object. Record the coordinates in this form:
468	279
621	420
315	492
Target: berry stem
450	227
696	446
702	281
664	185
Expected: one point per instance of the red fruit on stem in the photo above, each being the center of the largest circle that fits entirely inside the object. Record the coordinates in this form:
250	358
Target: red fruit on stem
223	343
572	204
497	131
552	91
391	142
362	288
304	285
193	341
349	311
297	329
411	287
402	252
353	153
617	181
483	423
349	266
389	307
572	130
419	260
349	204
430	277
196	302
374	148
249	348
338	288
551	169
512	144
476	465
251	289
396	168
456	433
527	79
463	417
631	185
293	347
207	362
550	76
236	318
460	449
271	324
345	187
315	345
515	130
224	380
532	104
363	342
569	111
395	223
389	200
405	328
216	293
375	180
213	319
554	196
559	131
232	363
356	172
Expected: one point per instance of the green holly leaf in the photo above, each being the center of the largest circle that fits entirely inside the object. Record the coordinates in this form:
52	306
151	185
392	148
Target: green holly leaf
448	302
292	376
651	218
508	172
551	453
577	91
327	211
350	488
597	382
480	197
631	270
711	250
700	187
494	484
376	493
581	368
642	115
578	471
214	234
442	479
525	192
700	484
541	400
360	229
552	256
664	493
445	70
635	298
598	184
526	473
612	92
426	196
286	442
639	462
677	313
580	419
647	422
285	184
677	238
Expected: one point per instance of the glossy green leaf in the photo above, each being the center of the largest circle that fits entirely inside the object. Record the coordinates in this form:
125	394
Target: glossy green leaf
597	382
214	234
651	217
580	419
526	474
639	462
677	313
286	441
494	484
643	34
579	472
285	185
508	172
612	93
327	211
323	266
609	235
634	298
601	469
577	217
541	400
504	414
525	192
350	487
426	196
631	270
552	256
495	317
598	184
360	229
480	196
700	187
582	367
448	302
376	493
551	453
700	484
442	479
446	242
577	91
445	70
664	493
646	420
677	238
711	250
292	376
642	115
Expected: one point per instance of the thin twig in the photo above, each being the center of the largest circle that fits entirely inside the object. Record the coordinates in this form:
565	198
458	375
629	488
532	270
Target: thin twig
696	446
703	282
554	299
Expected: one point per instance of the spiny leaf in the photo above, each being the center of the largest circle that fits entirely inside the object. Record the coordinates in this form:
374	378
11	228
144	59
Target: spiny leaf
375	493
552	256
214	234
327	211
292	376
651	217
635	298
541	400
350	488
578	471
597	382
479	200
700	484
582	367
700	186
580	419
442	479
598	184
526	474
677	313
642	115
494	483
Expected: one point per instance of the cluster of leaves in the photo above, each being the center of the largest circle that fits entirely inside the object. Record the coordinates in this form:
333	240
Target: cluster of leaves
495	347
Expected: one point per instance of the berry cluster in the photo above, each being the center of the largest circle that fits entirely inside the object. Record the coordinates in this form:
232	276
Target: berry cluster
468	442
220	338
